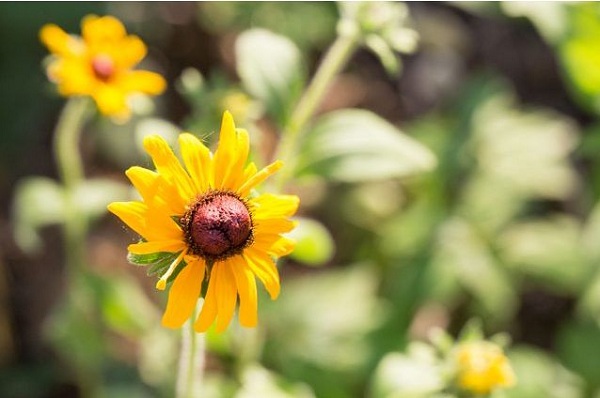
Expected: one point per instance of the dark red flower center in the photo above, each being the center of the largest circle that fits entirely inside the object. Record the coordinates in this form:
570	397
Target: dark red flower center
217	226
103	67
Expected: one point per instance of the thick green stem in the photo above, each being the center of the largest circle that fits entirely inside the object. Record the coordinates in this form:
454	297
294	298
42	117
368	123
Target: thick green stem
335	60
191	361
66	142
70	168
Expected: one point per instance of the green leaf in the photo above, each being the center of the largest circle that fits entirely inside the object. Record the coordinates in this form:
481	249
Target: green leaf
400	375
314	244
466	256
577	346
356	145
270	68
38	202
540	375
158	262
93	195
548	250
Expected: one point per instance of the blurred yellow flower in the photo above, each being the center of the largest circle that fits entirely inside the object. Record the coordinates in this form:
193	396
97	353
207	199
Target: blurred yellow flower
99	64
483	367
207	215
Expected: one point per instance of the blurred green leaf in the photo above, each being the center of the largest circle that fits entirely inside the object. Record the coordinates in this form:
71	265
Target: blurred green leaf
324	317
125	306
38	202
577	346
580	53
408	376
464	253
94	194
548	250
539	375
527	151
270	67
356	145
150	126
314	244
549	17
259	382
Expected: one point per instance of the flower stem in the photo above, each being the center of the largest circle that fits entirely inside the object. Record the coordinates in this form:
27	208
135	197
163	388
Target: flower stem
191	361
334	61
70	168
66	142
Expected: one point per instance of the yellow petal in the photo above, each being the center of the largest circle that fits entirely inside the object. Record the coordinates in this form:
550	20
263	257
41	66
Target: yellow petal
183	294
234	177
209	308
197	159
272	206
97	29
246	284
111	101
282	247
170	246
259	177
168	166
131	213
73	76
130	51
142	81
145	181
59	42
274	225
262	265
231	154
226	294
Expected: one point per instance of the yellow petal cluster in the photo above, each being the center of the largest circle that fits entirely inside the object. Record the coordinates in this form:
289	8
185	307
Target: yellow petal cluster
170	191
483	367
99	64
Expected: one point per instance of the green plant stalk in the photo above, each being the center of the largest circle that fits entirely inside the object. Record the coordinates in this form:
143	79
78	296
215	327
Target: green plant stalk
334	61
191	361
66	141
70	169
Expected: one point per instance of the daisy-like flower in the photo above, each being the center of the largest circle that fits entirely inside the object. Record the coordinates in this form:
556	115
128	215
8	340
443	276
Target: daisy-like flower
99	64
219	233
483	367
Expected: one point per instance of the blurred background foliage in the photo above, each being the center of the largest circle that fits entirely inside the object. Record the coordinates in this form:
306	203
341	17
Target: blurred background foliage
464	185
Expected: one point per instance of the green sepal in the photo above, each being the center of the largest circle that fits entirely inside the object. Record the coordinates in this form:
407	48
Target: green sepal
143	260
176	271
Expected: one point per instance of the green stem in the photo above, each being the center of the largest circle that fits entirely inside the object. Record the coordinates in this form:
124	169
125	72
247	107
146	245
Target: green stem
191	361
334	61
66	142
70	168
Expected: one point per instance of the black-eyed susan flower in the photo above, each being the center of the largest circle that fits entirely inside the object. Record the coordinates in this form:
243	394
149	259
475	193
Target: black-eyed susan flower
218	233
482	367
99	64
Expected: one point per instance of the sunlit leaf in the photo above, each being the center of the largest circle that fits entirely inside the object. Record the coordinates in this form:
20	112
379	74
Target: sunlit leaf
323	318
356	145
548	250
415	376
38	202
270	68
540	375
464	253
94	194
259	382
314	244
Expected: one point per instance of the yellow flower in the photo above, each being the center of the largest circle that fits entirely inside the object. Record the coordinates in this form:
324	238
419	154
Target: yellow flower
483	367
99	64
207	215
